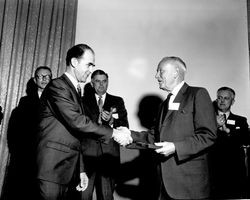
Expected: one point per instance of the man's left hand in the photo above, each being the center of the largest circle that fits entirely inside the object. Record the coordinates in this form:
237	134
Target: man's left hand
167	148
106	116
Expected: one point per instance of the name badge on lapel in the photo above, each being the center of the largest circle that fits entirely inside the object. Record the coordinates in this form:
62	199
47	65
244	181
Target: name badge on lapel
174	106
230	121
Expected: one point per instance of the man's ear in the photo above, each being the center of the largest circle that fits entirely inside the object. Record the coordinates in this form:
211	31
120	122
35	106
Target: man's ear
233	102
34	79
176	73
74	62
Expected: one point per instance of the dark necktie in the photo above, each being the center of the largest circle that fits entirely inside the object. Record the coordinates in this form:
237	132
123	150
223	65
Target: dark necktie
165	107
100	104
225	117
79	90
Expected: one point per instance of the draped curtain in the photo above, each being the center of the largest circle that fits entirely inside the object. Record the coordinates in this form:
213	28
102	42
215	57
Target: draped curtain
248	25
32	33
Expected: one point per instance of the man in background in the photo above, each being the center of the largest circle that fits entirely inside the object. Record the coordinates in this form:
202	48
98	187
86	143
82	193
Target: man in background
184	131
43	75
228	154
30	103
102	161
21	136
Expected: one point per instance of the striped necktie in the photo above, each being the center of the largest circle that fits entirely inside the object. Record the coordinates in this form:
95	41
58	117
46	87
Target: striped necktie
225	117
79	90
100	105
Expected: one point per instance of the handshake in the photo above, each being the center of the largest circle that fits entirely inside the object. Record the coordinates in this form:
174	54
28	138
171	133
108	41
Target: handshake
122	135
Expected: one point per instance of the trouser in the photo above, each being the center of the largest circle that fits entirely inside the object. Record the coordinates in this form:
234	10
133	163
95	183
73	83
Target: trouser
53	191
163	193
104	187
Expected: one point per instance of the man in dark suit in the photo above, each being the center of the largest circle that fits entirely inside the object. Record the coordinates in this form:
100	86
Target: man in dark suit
102	161
21	146
228	155
63	124
184	131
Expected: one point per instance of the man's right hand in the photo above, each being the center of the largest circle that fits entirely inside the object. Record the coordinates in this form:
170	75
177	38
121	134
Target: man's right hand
122	135
221	122
84	181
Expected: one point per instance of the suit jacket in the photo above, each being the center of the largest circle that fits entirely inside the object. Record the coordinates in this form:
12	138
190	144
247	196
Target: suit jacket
227	158
94	151
62	125
238	129
192	128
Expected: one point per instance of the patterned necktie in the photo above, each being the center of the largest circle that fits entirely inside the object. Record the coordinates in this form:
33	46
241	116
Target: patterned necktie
165	107
79	90
100	104
225	117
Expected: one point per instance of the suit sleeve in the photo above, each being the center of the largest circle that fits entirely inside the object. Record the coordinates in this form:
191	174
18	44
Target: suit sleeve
204	127
68	111
242	130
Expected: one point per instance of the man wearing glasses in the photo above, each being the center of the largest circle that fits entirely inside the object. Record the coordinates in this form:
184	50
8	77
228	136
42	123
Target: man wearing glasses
21	137
43	76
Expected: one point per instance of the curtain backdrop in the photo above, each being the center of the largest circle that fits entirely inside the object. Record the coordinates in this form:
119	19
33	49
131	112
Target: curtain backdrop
32	33
248	25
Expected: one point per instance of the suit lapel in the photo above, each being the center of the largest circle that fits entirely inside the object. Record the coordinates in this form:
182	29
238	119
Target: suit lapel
178	99
93	103
73	90
91	106
108	102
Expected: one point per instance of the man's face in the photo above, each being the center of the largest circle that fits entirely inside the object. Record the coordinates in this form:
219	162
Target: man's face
100	84
42	78
224	100
84	66
165	76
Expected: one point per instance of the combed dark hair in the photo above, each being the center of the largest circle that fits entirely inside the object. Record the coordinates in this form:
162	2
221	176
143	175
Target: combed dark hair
227	89
76	52
43	67
99	72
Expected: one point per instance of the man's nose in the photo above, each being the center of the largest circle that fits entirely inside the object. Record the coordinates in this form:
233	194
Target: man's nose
157	75
91	69
45	78
222	100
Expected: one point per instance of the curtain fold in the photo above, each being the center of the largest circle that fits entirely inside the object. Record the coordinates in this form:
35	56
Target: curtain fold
248	28
32	33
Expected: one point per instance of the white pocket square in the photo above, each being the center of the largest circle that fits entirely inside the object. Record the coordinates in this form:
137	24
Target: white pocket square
115	115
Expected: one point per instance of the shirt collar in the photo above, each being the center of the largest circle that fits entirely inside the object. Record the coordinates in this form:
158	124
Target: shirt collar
227	113
72	79
103	97
39	93
177	88
175	91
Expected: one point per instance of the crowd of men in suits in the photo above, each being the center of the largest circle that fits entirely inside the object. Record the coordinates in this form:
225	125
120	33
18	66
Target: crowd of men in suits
199	145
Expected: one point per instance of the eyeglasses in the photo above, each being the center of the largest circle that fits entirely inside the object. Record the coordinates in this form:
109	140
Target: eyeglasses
224	98
42	77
